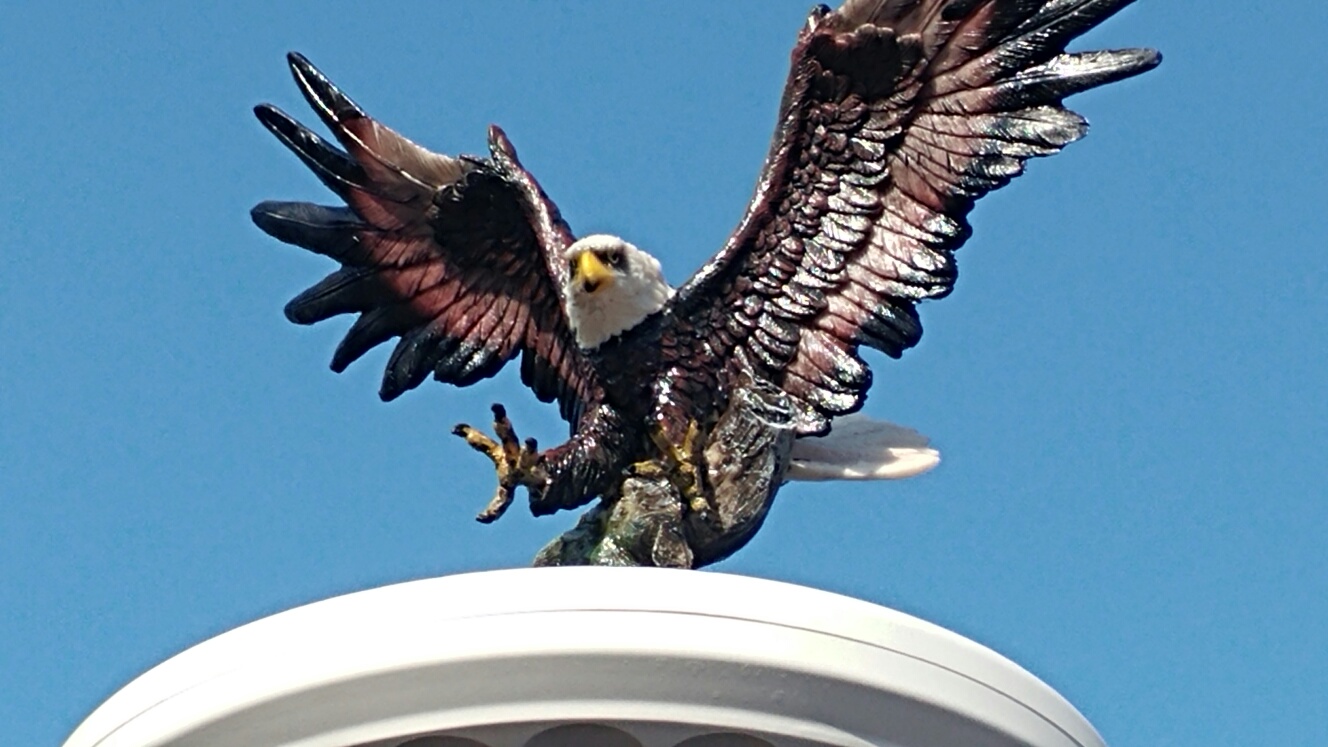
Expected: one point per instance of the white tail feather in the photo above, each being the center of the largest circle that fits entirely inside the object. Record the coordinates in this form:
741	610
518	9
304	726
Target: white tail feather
861	448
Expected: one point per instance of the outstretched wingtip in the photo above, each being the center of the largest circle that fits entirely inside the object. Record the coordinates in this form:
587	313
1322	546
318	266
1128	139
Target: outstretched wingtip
269	217
279	219
1148	58
302	69
322	94
293	317
272	118
259	214
290	132
1081	71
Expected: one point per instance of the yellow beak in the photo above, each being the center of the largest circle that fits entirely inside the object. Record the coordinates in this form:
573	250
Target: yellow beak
591	273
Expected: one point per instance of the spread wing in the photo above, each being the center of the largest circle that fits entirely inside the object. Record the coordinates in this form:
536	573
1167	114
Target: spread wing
460	258
897	116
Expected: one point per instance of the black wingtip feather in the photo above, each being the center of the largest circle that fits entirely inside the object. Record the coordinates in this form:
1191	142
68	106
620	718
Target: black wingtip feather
293	313
282	125
336	170
1147	59
332	105
413	359
371	329
328	231
349	290
261	215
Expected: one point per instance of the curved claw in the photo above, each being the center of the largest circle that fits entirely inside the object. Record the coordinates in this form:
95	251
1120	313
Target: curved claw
517	463
681	465
502	498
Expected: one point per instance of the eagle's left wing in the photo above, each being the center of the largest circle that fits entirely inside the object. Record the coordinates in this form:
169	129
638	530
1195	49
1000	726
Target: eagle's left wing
897	116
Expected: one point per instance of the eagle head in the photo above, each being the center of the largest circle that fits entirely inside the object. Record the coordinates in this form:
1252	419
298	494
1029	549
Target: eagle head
611	287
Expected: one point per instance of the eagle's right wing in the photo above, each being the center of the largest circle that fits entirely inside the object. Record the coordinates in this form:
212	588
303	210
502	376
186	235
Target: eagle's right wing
461	258
897	117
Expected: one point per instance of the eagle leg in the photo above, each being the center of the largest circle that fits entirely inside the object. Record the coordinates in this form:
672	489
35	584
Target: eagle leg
680	464
515	462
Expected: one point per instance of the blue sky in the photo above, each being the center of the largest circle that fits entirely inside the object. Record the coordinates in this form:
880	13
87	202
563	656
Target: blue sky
1128	385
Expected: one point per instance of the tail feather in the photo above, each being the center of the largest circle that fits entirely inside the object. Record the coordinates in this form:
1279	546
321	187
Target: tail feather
862	448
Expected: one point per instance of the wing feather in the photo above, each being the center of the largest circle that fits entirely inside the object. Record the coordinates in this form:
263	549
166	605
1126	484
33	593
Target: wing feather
897	116
458	258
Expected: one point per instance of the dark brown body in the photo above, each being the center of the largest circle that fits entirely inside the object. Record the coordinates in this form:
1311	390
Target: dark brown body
648	522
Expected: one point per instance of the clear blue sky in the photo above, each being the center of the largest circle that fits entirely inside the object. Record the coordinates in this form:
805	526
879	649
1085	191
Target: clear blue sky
1128	385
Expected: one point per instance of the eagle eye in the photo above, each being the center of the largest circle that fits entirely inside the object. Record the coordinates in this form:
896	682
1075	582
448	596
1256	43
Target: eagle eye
615	258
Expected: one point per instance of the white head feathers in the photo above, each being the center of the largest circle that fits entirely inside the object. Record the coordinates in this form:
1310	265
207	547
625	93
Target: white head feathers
611	287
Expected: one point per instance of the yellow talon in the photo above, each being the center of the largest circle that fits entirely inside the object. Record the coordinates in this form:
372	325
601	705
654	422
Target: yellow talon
649	469
516	463
681	470
689	438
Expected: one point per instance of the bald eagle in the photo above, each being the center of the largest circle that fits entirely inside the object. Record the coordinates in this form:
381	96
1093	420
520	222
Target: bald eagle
897	115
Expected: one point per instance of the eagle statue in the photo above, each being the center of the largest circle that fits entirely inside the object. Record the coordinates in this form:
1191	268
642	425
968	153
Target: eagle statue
689	407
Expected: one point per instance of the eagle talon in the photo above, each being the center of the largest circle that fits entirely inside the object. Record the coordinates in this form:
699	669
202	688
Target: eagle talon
516	463
648	469
502	498
699	504
679	466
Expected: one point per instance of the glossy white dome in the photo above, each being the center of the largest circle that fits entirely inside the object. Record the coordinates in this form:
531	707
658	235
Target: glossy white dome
587	656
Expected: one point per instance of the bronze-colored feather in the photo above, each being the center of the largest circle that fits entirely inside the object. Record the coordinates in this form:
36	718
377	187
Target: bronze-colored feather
460	258
897	116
